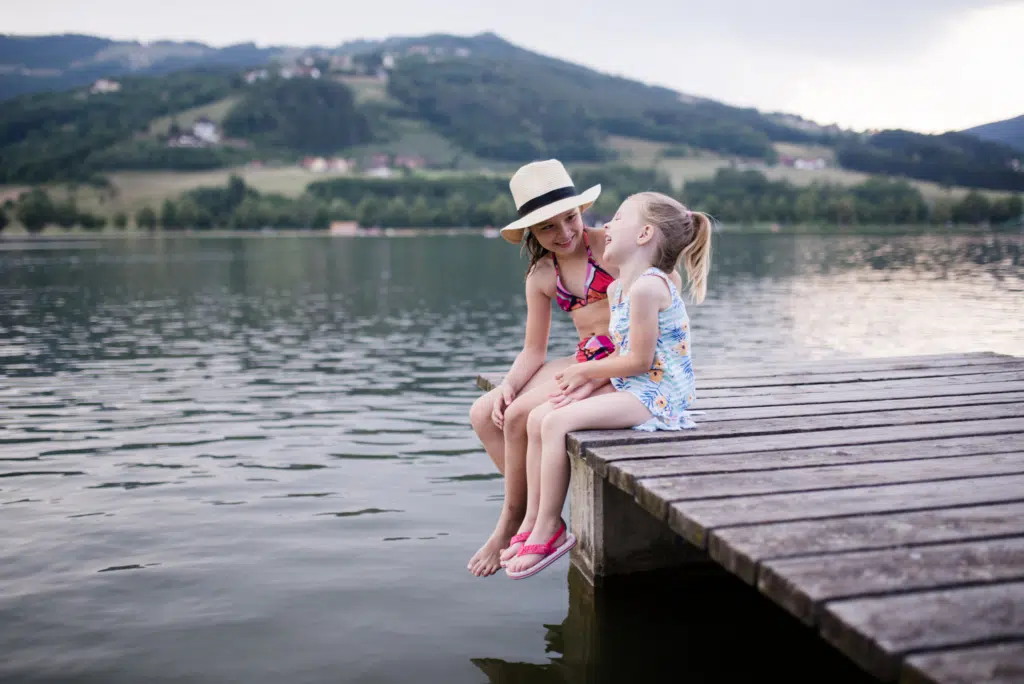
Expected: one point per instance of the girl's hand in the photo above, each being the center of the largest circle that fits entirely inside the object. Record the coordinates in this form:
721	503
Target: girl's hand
560	398
572	378
506	395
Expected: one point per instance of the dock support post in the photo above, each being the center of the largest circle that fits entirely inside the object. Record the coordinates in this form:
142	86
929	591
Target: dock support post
615	536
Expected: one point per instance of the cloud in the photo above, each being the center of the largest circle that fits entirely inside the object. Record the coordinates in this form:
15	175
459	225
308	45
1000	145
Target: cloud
868	30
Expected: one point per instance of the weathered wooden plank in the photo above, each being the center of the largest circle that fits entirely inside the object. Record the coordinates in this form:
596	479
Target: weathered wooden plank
723	370
810	378
677	441
740	549
623	474
803	585
910	391
877	632
655	494
998	664
881	386
879	404
693	519
602	458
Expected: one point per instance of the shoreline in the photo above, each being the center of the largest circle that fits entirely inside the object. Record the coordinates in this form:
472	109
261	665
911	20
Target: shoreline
77	236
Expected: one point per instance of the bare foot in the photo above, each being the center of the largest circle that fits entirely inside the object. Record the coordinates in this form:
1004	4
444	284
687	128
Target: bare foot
513	548
486	561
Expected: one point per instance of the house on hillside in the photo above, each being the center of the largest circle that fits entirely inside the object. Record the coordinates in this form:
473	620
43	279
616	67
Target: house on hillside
206	131
322	164
410	161
342	63
104	85
803	164
256	75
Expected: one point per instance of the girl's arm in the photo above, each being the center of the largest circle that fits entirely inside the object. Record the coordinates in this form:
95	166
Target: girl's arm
535	344
647	297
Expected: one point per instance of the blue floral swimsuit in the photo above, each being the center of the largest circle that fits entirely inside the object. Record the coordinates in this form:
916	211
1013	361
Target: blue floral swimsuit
668	389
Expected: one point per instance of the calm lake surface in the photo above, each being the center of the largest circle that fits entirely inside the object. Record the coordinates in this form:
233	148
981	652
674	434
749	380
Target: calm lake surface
249	459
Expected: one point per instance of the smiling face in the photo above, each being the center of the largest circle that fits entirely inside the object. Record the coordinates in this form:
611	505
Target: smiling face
562	234
622	235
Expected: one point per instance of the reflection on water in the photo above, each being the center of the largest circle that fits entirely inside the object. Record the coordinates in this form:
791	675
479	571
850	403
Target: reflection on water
637	630
249	459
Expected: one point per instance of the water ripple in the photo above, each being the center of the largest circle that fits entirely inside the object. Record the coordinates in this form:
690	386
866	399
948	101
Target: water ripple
279	383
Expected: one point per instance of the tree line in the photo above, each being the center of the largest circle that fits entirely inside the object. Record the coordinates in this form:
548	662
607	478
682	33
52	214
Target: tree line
733	197
746	196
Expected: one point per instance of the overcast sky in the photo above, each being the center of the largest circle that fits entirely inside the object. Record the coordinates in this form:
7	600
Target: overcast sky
925	65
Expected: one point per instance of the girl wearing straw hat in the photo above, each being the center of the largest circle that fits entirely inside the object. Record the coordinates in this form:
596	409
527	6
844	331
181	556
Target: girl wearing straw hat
567	267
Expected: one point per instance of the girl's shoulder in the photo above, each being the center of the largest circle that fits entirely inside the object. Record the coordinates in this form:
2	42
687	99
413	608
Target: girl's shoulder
543	275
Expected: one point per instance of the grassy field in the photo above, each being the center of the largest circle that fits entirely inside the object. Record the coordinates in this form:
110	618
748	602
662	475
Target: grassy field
133	190
645	153
215	111
367	88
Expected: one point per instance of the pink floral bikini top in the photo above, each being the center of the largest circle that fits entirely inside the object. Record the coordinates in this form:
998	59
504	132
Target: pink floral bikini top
597	284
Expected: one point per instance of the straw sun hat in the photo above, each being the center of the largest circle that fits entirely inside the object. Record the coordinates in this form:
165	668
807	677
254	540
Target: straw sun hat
543	190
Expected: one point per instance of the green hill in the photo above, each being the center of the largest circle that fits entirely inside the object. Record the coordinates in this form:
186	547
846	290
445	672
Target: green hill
459	102
35	64
1007	132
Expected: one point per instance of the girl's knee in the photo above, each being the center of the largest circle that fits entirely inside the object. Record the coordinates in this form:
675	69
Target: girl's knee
516	415
552	426
480	412
536	419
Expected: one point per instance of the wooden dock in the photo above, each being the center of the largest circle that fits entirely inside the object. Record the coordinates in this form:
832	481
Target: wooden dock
880	501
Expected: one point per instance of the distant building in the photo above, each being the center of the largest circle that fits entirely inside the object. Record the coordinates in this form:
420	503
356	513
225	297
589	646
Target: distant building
344	228
410	161
104	85
814	164
340	165
314	164
256	75
341	63
184	140
462	52
206	131
388	61
810	164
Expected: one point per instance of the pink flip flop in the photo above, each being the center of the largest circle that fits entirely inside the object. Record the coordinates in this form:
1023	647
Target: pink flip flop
519	538
549	551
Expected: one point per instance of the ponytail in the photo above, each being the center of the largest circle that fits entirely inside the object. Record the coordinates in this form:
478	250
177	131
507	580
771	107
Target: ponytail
685	236
696	256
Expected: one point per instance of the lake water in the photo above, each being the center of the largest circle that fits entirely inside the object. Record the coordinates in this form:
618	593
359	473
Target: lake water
249	459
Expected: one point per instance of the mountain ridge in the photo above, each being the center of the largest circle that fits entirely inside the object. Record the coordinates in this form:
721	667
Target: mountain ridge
479	95
1007	131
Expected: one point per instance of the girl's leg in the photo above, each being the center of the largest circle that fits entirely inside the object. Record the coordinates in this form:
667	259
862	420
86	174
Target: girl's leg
606	409
533	446
507	448
490	434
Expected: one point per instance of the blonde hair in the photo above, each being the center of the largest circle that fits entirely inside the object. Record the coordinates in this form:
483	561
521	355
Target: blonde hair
684	236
